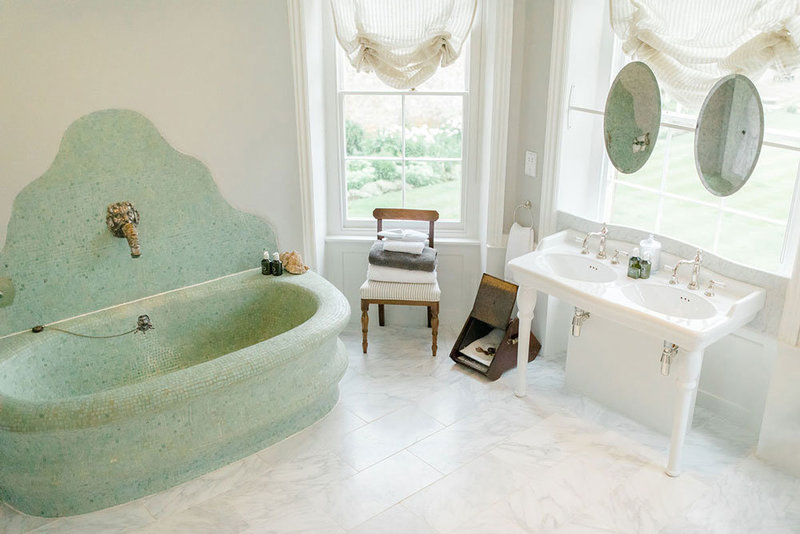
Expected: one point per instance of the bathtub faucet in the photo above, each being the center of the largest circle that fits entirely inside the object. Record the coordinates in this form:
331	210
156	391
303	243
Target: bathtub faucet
122	219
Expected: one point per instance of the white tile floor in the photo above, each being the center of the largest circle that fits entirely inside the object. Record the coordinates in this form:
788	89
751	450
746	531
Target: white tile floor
419	445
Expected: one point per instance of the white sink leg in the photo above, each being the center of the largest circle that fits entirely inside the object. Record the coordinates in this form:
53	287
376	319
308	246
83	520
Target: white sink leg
689	364
526	301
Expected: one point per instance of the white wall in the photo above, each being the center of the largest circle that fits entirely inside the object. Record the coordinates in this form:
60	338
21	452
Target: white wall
530	67
779	441
215	78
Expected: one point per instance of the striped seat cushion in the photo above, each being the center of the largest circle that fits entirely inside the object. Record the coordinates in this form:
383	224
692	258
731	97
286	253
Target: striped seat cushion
373	290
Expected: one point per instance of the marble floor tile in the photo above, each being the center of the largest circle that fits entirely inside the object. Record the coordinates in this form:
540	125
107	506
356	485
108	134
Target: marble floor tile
386	436
421	445
13	522
281	507
217	517
396	520
373	490
466	492
203	488
339	422
470	437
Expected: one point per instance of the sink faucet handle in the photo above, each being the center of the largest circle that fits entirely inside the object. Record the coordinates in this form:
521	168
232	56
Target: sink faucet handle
604	229
709	292
698	257
615	256
674	279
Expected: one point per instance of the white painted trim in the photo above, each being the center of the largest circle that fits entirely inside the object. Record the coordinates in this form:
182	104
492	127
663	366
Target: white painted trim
789	329
300	75
499	36
556	111
445	241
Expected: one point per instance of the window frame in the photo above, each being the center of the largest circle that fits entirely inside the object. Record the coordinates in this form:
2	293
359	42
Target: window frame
673	122
467	226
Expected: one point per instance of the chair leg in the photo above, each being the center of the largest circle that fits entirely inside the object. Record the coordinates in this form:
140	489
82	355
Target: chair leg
429	316
364	324
434	311
381	320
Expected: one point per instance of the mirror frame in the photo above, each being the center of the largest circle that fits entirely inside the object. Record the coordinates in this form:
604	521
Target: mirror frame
706	122
610	122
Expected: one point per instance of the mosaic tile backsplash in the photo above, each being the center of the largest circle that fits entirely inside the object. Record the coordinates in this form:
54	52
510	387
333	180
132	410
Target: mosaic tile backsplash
61	260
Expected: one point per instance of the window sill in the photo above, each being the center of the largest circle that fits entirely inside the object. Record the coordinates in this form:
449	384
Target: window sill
455	241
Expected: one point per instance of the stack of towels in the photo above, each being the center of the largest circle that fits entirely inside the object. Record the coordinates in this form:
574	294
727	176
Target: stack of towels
402	257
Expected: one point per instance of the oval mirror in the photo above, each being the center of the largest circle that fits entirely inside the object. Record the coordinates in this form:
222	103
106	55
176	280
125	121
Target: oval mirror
632	118
727	140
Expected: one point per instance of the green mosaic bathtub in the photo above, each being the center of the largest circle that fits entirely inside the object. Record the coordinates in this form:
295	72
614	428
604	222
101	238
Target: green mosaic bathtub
232	366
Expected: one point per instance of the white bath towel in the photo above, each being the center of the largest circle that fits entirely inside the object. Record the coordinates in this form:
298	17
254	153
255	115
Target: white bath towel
521	240
392	274
409	247
400	234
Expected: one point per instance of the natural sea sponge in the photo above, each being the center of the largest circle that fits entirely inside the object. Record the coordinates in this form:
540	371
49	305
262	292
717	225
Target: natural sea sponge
293	263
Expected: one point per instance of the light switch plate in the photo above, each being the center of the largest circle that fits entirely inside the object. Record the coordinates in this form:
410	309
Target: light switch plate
530	163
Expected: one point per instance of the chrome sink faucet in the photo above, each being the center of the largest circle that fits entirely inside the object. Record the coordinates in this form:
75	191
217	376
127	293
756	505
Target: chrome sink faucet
601	250
695	263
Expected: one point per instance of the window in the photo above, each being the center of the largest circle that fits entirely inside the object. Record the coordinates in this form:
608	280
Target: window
666	195
758	226
403	149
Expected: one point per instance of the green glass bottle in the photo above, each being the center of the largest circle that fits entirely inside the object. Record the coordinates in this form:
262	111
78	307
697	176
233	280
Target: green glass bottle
645	265
634	267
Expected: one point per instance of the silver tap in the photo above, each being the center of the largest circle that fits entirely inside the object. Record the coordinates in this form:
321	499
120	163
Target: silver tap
601	250
709	292
615	257
578	319
669	351
695	263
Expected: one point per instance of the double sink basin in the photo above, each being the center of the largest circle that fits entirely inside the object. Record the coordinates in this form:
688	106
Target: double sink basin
685	317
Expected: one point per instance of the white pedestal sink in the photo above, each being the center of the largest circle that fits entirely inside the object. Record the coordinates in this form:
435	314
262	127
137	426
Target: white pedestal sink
685	318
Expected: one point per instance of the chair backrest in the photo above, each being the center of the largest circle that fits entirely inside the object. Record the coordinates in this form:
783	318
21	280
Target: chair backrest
404	214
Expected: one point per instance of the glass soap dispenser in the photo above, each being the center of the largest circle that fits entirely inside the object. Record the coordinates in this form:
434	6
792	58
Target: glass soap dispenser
654	248
634	267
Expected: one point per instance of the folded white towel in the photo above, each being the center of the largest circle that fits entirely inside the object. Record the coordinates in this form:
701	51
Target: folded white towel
404	235
392	274
409	247
392	234
520	241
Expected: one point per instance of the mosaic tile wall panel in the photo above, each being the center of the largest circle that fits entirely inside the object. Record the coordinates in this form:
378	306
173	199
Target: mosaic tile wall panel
62	260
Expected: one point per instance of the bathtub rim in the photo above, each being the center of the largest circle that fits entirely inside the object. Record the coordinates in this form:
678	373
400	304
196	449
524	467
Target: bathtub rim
160	393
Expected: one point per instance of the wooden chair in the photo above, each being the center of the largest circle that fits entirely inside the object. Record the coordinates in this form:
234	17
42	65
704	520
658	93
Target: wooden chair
406	294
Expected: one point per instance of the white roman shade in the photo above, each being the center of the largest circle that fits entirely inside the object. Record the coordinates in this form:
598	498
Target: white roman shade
402	41
690	44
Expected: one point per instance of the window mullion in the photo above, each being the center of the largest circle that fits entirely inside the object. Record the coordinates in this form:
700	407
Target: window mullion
663	185
718	229
403	149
